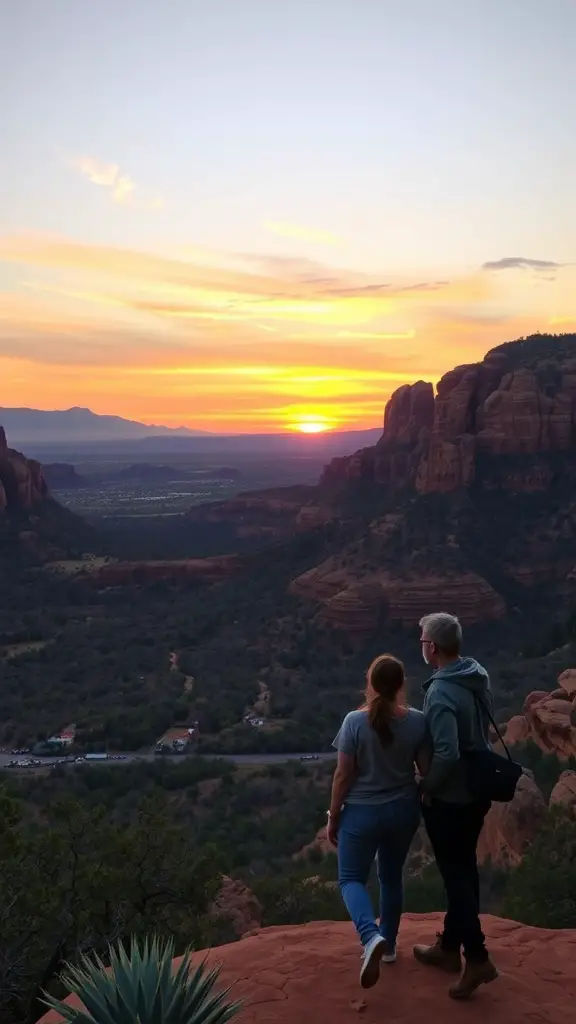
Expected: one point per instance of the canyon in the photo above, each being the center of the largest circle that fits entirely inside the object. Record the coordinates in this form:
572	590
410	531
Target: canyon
494	445
415	510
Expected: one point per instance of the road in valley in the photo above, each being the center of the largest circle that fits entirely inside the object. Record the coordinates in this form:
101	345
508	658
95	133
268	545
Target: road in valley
130	758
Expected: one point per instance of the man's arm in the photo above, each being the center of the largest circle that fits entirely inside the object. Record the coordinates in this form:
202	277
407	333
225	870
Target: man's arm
443	727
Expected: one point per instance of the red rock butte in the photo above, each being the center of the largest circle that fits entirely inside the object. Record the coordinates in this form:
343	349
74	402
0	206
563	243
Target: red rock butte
520	400
309	975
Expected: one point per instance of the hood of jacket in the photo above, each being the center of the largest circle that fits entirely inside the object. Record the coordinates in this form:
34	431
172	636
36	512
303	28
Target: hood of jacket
465	672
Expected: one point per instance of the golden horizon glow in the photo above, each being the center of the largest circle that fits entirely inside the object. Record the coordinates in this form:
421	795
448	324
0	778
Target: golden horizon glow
235	343
310	423
312	428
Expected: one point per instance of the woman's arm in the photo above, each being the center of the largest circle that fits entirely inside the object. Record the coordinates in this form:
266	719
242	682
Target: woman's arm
423	758
341	784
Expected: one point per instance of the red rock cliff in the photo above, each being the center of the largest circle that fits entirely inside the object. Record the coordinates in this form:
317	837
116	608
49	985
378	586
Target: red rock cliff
520	400
22	483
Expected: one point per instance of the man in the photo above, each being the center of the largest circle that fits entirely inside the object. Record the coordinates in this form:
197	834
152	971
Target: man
457	696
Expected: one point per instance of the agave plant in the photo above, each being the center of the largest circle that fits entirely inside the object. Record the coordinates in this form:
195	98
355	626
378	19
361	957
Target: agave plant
140	987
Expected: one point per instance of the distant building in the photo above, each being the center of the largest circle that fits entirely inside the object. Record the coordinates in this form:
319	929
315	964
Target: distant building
66	736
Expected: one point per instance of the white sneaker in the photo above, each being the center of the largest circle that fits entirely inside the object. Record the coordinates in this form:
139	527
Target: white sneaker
389	955
370	971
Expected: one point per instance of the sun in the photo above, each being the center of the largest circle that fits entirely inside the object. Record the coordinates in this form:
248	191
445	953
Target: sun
311	423
312	427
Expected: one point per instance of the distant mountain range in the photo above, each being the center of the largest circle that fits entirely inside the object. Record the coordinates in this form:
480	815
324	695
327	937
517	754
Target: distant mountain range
76	425
62	436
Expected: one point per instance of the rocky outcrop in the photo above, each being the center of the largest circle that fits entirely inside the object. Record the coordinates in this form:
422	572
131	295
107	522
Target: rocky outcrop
567	682
548	719
564	792
237	904
356	601
34	528
517	730
356	610
271	514
519	401
309	973
408	421
509	828
22	483
204	570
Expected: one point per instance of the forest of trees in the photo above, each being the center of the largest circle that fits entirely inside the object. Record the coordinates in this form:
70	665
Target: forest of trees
101	660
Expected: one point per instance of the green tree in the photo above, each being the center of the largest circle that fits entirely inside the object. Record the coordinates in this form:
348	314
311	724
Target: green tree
82	881
542	890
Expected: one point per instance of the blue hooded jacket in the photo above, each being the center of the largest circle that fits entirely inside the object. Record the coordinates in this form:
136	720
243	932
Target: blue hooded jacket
458	703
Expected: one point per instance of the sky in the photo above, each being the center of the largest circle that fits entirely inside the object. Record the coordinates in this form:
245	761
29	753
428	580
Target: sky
247	215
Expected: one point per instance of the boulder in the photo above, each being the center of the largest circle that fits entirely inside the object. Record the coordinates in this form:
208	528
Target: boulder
564	792
517	731
548	719
509	828
567	681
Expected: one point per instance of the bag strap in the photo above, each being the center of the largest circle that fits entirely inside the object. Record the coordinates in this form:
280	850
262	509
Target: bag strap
481	704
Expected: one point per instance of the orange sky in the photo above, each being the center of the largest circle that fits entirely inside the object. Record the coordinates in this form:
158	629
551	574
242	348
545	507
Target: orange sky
271	217
246	342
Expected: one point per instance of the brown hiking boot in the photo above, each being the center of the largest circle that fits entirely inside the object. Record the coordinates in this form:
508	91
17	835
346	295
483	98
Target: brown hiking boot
436	956
473	975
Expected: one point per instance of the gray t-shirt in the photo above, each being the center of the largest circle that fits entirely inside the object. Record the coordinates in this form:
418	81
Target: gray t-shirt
384	772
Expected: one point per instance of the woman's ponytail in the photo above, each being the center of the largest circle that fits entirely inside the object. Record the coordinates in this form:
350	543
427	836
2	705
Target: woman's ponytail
385	679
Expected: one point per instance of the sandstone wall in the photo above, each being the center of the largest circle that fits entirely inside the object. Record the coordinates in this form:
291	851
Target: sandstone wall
482	409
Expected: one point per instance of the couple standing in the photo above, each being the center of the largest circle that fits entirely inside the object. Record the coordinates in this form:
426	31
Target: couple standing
377	803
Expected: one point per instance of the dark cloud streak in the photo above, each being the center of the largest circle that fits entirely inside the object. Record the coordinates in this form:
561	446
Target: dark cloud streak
521	263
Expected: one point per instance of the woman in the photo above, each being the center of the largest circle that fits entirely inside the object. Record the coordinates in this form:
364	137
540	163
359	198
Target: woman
375	807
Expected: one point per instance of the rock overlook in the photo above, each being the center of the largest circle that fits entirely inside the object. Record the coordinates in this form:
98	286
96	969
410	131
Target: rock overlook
309	973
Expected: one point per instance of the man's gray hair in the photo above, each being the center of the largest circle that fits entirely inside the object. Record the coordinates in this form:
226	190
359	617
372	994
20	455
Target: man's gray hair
444	630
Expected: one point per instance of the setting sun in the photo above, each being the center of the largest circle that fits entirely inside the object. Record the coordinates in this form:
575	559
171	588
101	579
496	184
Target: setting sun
311	424
312	428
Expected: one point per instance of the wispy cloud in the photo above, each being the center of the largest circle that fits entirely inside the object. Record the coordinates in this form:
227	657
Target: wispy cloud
96	172
284	287
522	263
121	187
242	338
285	230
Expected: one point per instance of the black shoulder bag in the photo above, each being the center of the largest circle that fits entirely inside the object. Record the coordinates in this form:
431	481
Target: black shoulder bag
491	776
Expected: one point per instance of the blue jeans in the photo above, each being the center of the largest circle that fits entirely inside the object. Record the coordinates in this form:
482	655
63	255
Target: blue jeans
384	831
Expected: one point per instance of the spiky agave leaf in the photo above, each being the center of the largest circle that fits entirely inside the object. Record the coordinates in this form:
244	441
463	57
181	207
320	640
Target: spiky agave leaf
140	987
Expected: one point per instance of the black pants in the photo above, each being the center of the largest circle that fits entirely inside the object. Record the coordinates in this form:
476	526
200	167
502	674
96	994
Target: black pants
454	830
